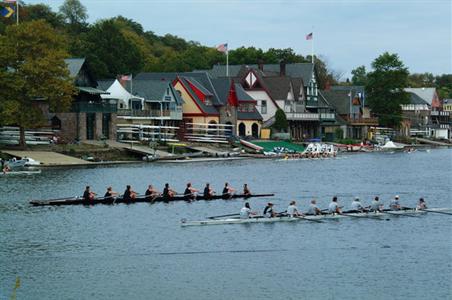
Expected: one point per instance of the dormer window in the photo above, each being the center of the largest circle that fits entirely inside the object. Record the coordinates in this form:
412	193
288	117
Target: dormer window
208	101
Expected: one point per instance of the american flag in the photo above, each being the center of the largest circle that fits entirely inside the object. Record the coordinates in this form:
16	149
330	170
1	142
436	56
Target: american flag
126	77
223	48
309	36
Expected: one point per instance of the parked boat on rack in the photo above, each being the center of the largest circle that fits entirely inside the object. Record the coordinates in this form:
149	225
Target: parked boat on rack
80	201
262	219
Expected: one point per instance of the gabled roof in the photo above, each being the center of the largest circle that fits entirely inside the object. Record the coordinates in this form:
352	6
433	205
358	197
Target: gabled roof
339	99
105	84
74	65
222	87
241	94
426	93
295	70
279	87
154	90
415	99
208	109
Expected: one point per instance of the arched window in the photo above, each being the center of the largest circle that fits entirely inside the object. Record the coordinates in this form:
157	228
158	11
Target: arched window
255	130
242	129
56	123
212	128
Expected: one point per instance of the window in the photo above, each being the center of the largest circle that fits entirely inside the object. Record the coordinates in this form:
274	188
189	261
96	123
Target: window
208	101
264	107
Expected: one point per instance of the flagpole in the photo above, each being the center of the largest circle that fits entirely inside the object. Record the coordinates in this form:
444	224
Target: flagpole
17	12
227	63
312	49
131	84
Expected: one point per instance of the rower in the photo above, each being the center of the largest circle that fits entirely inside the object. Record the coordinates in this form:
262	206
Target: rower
246	190
421	204
208	192
292	210
334	208
227	191
395	204
245	212
190	192
168	193
268	211
151	192
109	193
129	194
356	205
88	195
376	205
313	209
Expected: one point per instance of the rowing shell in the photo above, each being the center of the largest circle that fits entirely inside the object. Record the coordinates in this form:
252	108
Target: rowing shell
261	219
81	201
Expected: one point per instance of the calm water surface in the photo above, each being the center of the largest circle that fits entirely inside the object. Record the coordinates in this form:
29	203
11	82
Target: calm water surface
140	251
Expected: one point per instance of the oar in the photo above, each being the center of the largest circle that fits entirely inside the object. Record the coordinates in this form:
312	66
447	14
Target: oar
230	215
437	212
310	220
399	214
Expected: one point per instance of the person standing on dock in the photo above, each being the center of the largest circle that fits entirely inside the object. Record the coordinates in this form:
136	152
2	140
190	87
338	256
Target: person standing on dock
395	203
334	208
228	191
376	205
190	192
313	208
129	194
246	190
168	193
151	193
88	195
208	192
109	193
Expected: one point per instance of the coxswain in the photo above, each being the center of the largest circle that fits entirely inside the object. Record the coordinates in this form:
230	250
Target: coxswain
395	203
190	192
356	205
292	210
208	192
334	208
88	195
376	205
109	193
246	190
168	193
313	209
227	191
129	194
245	212
268	211
151	193
421	204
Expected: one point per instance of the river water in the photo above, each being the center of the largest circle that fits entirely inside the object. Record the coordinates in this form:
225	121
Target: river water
140	251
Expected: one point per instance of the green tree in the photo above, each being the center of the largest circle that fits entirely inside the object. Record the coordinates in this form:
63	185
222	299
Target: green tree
74	14
281	123
359	76
385	89
32	68
42	12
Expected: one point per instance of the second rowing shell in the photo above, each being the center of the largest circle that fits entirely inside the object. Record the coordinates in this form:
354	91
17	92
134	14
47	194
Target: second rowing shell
81	201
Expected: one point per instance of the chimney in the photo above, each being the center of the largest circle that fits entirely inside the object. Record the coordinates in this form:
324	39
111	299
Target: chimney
282	68
260	65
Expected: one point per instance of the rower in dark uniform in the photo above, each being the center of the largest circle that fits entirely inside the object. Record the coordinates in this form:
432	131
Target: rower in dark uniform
190	192
129	194
151	193
227	191
88	195
246	191
168	193
208	192
109	194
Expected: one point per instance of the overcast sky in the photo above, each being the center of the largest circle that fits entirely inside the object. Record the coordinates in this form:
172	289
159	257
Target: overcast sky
347	33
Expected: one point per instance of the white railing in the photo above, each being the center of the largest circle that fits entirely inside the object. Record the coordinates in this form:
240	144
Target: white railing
327	116
302	116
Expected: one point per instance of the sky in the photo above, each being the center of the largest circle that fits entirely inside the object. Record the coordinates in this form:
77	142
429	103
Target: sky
347	33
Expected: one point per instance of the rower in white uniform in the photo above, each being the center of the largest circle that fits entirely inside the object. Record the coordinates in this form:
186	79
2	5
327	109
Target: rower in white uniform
292	210
313	209
421	204
395	203
356	205
376	205
245	212
334	208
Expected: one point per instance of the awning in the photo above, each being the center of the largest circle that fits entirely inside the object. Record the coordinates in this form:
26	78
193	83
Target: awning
91	90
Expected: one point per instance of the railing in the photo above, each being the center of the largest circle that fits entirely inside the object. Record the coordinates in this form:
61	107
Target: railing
328	116
363	121
154	113
439	113
294	116
94	107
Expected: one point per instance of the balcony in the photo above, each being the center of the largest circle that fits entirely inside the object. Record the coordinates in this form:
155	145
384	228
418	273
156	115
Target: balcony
150	114
87	107
302	116
328	116
362	121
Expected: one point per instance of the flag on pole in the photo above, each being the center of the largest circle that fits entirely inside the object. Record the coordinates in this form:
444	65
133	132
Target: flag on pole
9	1
126	77
309	36
7	11
223	48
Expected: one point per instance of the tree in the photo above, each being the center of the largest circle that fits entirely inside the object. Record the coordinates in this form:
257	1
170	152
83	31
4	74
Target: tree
42	12
74	14
359	76
385	89
32	68
281	123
